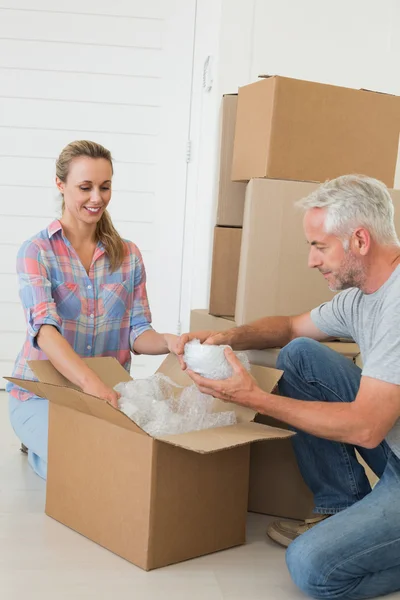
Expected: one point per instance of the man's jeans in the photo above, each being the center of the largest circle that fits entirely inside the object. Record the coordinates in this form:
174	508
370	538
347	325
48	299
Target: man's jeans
355	553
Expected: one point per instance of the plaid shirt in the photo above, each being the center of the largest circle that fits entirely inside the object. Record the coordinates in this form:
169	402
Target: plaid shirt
99	314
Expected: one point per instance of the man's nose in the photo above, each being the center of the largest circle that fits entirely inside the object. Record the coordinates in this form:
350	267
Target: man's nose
314	260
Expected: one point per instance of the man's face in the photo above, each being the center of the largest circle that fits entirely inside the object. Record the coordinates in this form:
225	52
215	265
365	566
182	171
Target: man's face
341	268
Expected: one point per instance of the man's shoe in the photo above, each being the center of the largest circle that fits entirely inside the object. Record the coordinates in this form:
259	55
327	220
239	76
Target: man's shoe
284	532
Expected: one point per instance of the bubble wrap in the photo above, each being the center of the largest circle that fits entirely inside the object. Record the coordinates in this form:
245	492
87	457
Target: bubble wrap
210	361
161	407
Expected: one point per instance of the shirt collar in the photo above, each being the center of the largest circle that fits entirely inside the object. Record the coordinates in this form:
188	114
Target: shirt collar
53	228
56	226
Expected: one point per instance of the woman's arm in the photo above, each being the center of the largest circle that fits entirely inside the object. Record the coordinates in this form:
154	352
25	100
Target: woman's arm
152	342
70	364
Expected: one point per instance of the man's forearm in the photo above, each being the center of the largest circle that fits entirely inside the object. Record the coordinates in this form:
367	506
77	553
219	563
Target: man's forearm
337	421
270	332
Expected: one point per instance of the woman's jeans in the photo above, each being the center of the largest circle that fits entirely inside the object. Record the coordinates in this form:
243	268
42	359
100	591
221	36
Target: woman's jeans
30	421
355	553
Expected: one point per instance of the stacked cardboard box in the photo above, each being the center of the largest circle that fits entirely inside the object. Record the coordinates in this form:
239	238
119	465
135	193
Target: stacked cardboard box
285	136
290	136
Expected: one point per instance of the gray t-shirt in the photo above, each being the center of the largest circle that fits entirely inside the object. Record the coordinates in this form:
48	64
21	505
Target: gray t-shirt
373	321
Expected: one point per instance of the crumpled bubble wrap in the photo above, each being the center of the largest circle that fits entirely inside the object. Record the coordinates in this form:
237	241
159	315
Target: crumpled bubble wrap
161	407
209	361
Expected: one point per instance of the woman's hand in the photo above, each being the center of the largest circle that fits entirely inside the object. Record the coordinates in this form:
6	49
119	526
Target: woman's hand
95	387
173	342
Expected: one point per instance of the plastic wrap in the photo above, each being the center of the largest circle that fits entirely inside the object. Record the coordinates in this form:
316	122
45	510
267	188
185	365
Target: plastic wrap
210	361
161	407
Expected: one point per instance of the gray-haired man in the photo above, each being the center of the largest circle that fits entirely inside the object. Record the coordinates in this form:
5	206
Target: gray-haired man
333	405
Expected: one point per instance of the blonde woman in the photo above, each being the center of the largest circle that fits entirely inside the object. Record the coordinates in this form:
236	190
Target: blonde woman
83	290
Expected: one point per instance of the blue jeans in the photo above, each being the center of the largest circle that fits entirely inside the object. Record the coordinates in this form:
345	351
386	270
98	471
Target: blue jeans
355	553
30	421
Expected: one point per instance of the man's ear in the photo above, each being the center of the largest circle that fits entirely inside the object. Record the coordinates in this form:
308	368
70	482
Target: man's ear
361	241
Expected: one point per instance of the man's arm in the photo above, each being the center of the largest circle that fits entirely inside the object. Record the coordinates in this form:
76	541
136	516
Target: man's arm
269	332
364	422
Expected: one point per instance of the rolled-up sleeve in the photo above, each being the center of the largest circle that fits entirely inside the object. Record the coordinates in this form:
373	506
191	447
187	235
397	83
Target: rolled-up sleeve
140	312
35	291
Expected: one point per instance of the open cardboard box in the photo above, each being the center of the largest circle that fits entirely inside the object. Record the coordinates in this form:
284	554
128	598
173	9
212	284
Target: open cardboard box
153	501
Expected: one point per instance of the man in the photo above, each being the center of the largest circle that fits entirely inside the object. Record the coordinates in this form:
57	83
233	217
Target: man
333	405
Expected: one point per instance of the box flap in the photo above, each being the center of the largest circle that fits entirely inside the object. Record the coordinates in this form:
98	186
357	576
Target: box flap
79	401
206	441
107	368
170	367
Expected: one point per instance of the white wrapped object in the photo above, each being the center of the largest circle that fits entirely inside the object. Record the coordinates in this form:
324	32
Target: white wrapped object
161	407
210	361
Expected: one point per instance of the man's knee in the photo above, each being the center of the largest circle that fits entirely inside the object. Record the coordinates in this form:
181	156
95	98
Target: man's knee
294	351
310	567
304	565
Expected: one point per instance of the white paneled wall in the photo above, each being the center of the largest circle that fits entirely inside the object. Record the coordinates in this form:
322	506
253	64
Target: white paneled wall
354	44
118	73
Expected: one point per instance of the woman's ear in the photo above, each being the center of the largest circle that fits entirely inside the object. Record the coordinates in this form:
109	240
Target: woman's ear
60	185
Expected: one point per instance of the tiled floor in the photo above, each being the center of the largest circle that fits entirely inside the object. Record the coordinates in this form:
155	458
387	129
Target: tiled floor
43	560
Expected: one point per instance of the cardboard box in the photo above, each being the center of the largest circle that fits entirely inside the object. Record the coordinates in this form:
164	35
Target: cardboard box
225	268
276	486
230	194
274	277
305	131
153	501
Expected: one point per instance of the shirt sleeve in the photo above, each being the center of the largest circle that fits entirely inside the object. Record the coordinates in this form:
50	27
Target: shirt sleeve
330	317
35	291
140	314
383	358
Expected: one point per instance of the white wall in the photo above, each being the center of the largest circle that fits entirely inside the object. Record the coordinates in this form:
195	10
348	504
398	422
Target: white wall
354	43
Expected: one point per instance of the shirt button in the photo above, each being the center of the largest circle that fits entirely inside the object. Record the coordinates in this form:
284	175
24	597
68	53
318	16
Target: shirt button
92	316
89	347
89	287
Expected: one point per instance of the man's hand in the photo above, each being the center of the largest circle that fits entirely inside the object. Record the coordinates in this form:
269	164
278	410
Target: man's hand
240	388
206	337
95	387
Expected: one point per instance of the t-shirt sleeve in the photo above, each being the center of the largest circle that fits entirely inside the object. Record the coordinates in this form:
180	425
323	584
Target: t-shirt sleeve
330	317
383	359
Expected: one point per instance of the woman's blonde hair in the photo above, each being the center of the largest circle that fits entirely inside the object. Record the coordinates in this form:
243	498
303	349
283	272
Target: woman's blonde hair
105	230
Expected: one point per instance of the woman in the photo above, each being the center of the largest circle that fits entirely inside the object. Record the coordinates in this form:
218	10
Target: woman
83	289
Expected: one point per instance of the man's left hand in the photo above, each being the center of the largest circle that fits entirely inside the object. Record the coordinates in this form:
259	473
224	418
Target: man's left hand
239	389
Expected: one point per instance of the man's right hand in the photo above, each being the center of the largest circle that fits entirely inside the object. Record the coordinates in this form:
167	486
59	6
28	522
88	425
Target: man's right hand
205	337
97	388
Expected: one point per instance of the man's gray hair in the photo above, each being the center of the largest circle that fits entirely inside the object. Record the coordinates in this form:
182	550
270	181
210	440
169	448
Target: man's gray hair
353	201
